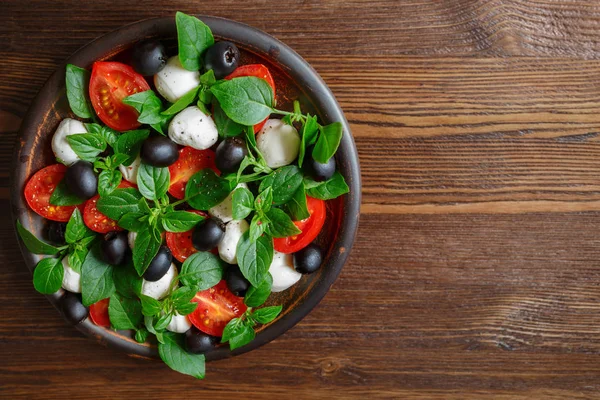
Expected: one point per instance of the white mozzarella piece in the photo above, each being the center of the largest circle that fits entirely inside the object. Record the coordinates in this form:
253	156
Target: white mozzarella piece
173	81
191	127
71	279
223	211
60	146
278	142
228	246
179	324
131	236
160	288
283	272
130	172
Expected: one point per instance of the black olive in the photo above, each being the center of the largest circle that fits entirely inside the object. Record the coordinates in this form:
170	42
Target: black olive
159	265
198	342
56	232
159	151
230	153
72	308
114	247
207	235
319	172
149	57
309	259
81	180
236	283
222	58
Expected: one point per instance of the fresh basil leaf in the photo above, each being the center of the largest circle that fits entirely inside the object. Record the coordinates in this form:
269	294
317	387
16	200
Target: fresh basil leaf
205	189
205	96
33	244
257	295
134	222
264	200
201	270
148	104
254	258
183	102
309	135
193	38
296	207
119	203
61	196
225	125
97	281
76	229
173	353
108	180
241	336
150	306
328	142
48	275
183	295
127	282
76	259
180	221
145	249
329	189
77	81
141	335
258	226
163	322
107	134
280	224
208	78
153	182
242	203
130	143
100	164
124	313
87	145
144	207
118	159
266	314
232	326
186	309
285	182
202	107
247	100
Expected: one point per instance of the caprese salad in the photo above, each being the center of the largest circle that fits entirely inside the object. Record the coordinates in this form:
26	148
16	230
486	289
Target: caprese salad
179	201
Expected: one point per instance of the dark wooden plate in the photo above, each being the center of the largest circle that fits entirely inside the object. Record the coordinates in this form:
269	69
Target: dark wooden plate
294	78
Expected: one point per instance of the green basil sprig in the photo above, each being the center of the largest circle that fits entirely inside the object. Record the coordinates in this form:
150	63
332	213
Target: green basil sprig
193	38
240	331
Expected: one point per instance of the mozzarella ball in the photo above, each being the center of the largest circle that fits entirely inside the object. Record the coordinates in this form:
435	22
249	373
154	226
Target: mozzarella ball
173	81
191	127
71	279
130	172
179	324
60	146
283	272
160	288
278	142
228	246
131	236
224	210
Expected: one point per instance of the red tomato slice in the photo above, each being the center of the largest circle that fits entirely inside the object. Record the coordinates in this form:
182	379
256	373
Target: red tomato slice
99	313
97	221
180	243
189	162
310	228
110	83
39	188
216	307
260	71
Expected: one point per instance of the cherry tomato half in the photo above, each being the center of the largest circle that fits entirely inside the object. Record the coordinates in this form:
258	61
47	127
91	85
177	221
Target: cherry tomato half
180	243
216	307
110	83
310	228
99	313
260	71
39	188
97	221
189	162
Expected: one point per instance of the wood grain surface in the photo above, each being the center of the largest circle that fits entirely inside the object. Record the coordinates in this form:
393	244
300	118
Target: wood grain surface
475	274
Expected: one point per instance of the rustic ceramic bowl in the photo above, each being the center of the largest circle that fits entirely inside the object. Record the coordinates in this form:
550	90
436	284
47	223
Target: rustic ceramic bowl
294	79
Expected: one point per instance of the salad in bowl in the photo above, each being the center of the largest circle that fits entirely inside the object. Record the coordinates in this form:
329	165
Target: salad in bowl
182	198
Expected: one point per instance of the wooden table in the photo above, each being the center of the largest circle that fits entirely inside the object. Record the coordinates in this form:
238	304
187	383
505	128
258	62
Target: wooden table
475	274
